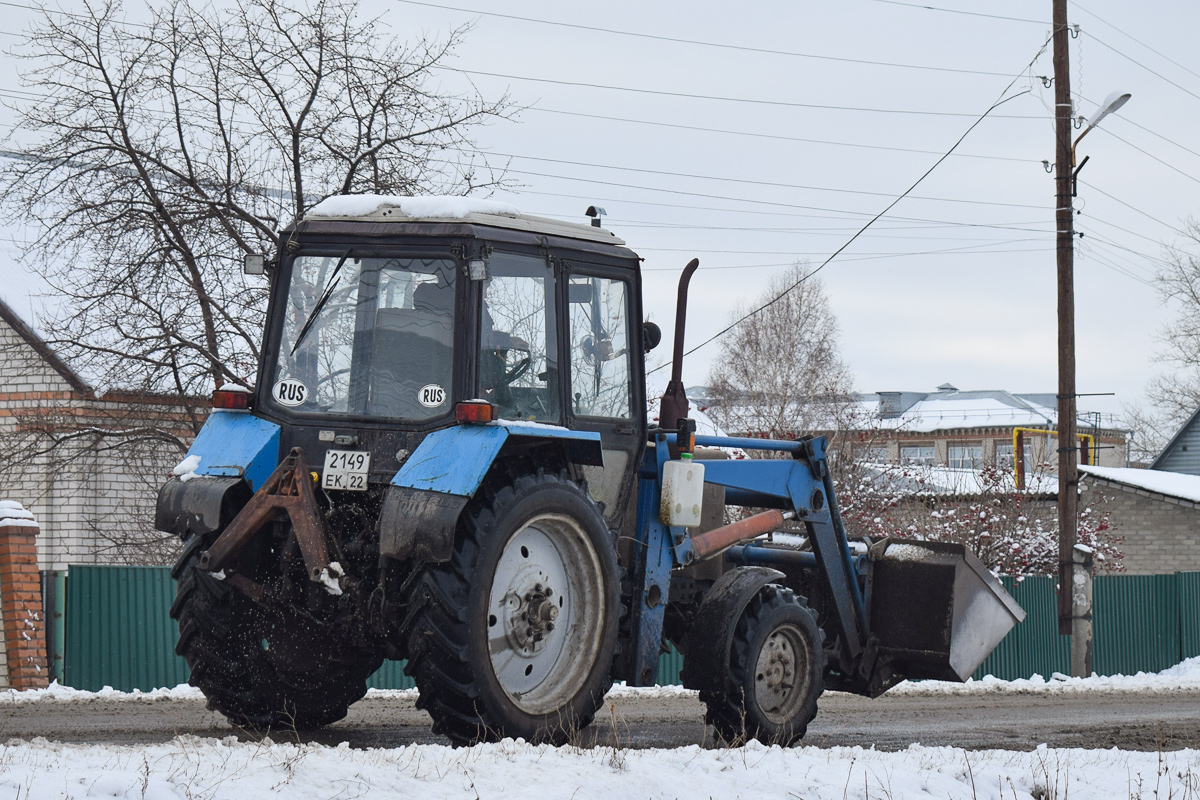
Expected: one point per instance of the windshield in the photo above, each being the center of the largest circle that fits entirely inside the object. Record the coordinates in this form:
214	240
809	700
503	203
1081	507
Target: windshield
368	336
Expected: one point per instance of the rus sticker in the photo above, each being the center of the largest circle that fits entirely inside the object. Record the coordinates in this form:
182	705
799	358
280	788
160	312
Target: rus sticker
431	395
290	392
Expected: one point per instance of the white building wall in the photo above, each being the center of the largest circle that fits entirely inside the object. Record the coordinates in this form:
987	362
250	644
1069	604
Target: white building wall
88	495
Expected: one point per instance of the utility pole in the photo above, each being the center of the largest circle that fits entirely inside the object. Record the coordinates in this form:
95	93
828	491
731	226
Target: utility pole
1074	618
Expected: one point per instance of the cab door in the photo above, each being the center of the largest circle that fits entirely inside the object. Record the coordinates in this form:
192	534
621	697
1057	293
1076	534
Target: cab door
605	392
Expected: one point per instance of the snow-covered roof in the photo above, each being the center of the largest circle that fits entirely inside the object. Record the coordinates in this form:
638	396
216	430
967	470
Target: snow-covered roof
1171	484
979	409
442	208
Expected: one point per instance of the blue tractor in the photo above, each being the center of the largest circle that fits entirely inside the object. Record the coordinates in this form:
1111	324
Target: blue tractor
446	460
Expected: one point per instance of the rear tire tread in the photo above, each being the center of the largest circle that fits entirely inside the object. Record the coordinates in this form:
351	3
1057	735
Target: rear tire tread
436	626
235	676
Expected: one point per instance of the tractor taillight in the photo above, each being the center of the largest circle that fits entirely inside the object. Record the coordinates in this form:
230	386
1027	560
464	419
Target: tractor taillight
232	399
479	412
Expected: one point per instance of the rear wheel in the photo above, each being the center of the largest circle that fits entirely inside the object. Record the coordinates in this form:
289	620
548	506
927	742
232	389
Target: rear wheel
776	672
263	667
514	636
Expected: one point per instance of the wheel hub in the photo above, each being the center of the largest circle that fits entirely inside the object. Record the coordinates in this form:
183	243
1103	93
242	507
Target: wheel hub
779	679
531	619
544	613
777	676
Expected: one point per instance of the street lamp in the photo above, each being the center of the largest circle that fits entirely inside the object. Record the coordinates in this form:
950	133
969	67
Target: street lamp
1111	104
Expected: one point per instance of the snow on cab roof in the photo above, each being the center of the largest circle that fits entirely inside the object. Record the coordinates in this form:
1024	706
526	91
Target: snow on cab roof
440	208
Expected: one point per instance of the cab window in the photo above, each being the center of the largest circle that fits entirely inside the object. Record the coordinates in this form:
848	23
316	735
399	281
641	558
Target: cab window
518	350
600	357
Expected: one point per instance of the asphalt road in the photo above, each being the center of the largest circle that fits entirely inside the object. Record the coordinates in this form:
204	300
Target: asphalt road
1127	720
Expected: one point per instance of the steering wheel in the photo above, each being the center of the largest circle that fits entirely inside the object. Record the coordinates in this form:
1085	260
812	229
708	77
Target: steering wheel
517	370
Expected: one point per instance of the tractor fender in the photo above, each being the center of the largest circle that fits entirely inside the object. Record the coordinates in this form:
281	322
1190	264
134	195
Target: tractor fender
201	505
237	444
237	451
428	493
706	647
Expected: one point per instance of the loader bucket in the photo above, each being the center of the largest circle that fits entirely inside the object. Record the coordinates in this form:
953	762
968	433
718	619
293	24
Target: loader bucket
936	609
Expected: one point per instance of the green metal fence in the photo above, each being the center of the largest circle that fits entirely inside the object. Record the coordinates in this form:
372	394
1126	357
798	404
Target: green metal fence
118	631
1033	647
119	634
1141	623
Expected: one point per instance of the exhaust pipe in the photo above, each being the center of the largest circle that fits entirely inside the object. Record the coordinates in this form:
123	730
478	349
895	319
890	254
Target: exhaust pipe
674	404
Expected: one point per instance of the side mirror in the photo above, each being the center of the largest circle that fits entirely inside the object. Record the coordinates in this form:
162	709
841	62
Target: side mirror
254	264
651	335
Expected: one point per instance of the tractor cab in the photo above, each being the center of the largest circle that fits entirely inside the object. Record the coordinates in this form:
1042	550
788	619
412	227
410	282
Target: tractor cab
385	315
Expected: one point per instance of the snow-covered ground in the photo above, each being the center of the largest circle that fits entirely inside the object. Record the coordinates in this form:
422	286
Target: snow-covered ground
189	767
192	767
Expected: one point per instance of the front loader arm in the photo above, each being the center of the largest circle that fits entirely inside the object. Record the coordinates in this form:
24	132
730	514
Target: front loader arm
800	485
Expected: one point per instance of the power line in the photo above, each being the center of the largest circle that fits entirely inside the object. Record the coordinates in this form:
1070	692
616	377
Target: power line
745	199
779	137
961	250
1111	243
1112	265
697	42
1128	35
1169	166
720	98
1126	230
761	213
43	10
1103	43
848	259
882	232
965	13
871	221
720	179
1133	208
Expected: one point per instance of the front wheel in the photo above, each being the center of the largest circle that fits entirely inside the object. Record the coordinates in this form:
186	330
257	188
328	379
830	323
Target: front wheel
515	635
776	672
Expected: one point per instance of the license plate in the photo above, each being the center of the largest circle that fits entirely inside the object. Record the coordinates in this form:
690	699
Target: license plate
346	470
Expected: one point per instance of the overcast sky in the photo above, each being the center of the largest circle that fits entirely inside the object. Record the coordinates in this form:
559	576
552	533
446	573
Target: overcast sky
752	160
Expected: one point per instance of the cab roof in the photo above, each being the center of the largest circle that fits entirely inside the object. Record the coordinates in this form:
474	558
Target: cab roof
437	208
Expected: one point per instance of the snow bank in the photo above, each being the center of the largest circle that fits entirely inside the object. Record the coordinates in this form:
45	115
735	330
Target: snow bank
1183	677
1173	484
14	515
189	767
427	207
55	693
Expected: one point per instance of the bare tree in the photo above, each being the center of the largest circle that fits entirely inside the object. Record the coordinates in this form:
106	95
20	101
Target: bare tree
1174	395
165	151
779	373
155	156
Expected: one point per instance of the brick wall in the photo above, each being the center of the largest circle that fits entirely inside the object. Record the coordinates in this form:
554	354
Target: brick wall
1161	534
21	606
